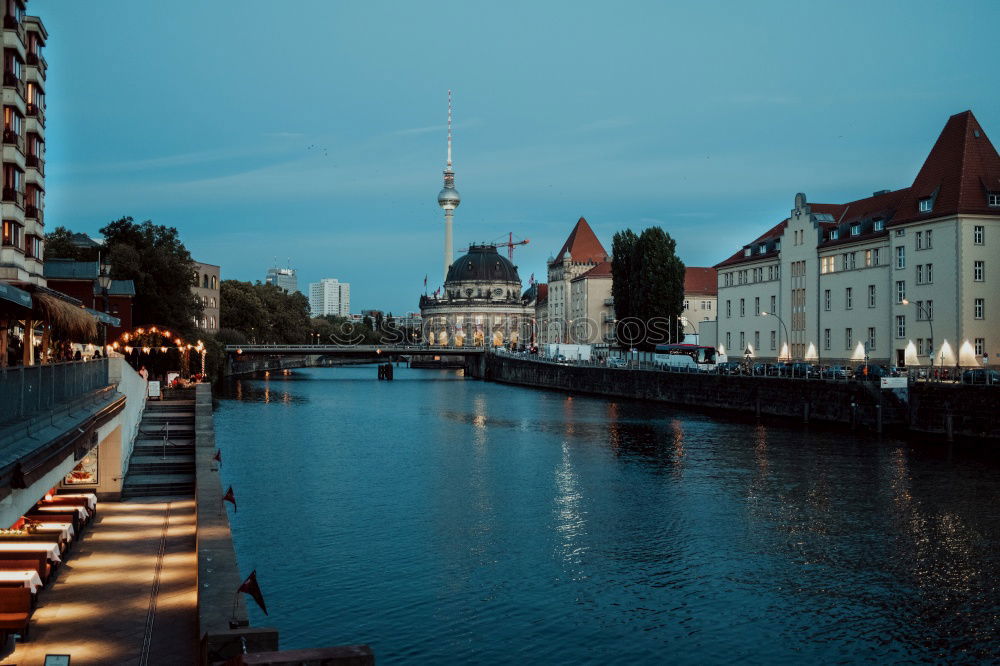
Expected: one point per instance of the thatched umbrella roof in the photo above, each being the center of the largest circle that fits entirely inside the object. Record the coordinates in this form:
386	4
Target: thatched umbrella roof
65	317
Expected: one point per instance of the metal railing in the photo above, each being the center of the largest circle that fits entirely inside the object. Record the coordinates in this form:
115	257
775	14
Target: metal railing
29	390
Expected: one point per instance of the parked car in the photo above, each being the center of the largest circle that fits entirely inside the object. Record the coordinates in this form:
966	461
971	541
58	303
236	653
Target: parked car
759	369
981	376
803	370
728	368
870	372
780	369
835	372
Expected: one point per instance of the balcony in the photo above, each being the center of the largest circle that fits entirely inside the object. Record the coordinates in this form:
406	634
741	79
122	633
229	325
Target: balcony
11	80
12	139
35	162
33	212
11	22
13	196
35	111
38	61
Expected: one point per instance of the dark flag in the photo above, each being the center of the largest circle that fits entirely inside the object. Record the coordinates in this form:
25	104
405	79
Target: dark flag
251	587
218	457
230	497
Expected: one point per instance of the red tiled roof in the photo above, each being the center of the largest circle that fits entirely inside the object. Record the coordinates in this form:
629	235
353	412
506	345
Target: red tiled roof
543	293
583	246
700	280
962	167
601	270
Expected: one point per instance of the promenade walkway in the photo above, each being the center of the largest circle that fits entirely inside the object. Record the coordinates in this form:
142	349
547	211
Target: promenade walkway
127	593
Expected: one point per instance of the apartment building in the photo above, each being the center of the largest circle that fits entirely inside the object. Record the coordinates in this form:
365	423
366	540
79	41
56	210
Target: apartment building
207	289
581	253
329	297
701	295
904	276
23	148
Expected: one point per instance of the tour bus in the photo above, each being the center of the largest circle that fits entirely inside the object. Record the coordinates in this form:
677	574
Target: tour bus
694	357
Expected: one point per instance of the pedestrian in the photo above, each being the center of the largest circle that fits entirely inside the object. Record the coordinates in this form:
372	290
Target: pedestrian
77	356
144	373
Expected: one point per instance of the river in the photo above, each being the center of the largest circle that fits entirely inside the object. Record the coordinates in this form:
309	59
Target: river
445	520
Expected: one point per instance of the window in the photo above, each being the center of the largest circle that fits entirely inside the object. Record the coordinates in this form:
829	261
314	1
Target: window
826	265
211	302
978	268
12	234
204	281
925	205
687	305
773	308
920	346
868	258
900	291
920	273
215	282
900	326
993	199
849	298
826	299
706	305
871	338
762	248
856	229
980	346
876	261
848	337
743	310
743	341
878	225
834	234
919	240
978	232
729	309
929	273
756	306
746	252
927	239
929	310
756	340
978	307
774	343
900	257
871	295
777	272
729	340
826	338
900	232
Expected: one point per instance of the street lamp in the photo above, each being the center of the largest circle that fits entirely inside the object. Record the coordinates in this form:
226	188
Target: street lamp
782	322
104	281
921	310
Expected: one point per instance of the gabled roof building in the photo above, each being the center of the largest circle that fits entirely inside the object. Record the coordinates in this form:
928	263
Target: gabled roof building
902	277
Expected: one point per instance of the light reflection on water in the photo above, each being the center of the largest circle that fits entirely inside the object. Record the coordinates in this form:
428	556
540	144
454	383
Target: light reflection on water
451	521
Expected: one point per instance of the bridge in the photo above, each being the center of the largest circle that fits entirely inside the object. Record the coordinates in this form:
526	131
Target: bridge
352	351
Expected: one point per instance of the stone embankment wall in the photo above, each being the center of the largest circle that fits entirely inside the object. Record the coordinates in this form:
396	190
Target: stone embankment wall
944	410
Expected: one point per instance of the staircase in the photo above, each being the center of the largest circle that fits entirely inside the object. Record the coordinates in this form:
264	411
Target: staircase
162	463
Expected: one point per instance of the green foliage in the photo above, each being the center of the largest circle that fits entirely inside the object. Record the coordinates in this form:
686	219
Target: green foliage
155	259
648	284
622	249
59	245
263	313
341	330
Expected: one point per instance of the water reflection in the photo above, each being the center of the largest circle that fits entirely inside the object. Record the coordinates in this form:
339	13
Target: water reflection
265	390
454	519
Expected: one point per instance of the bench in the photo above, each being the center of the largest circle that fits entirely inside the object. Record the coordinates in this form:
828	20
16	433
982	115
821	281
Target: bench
70	501
53	517
15	611
21	560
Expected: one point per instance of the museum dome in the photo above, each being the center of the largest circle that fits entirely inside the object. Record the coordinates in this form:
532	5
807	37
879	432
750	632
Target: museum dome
482	264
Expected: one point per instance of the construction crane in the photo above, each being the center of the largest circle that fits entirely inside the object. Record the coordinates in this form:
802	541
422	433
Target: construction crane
511	244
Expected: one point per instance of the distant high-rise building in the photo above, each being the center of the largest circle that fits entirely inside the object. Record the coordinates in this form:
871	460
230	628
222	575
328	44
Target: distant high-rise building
284	278
330	297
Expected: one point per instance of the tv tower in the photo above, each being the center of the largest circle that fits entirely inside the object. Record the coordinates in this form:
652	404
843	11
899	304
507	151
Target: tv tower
448	199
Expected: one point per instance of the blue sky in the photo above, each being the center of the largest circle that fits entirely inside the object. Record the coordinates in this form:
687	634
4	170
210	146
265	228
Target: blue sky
315	130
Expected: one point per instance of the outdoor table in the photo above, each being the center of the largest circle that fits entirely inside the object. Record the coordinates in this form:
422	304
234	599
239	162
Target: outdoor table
90	497
51	550
63	508
28	578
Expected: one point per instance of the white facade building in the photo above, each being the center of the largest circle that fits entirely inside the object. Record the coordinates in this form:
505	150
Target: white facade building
284	278
902	275
330	297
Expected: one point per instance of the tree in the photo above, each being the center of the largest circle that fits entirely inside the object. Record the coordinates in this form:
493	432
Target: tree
61	244
622	288
155	259
658	285
264	313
